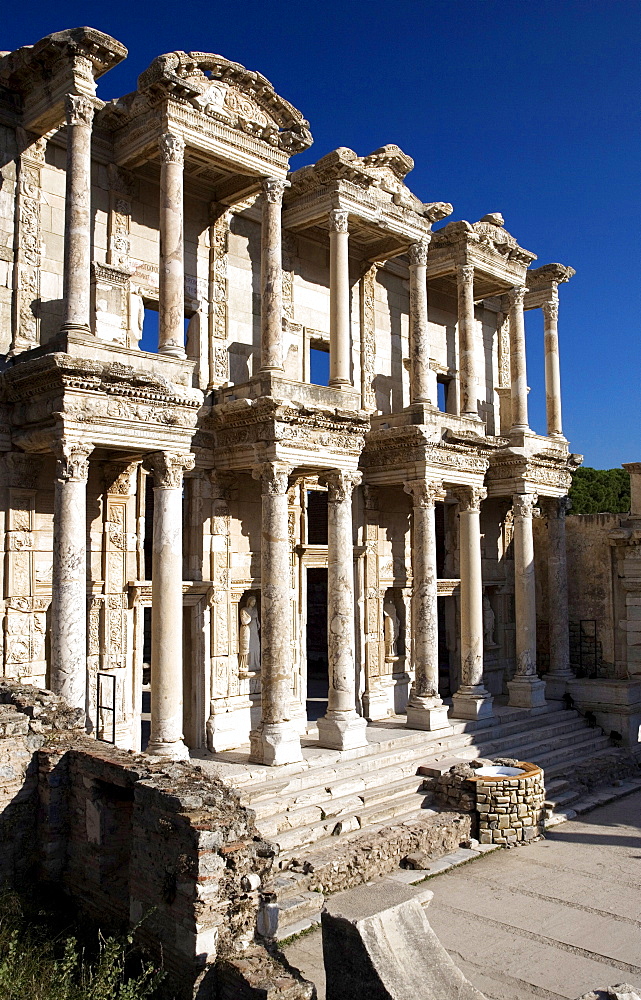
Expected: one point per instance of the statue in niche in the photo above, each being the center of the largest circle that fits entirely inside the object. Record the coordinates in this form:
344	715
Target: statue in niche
489	620
391	629
137	310
249	638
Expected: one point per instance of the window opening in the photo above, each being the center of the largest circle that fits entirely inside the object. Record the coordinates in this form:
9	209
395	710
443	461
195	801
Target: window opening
319	364
316	517
149	339
441	395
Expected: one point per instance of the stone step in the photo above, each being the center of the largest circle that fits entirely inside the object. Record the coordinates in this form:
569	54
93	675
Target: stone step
296	909
462	747
591	800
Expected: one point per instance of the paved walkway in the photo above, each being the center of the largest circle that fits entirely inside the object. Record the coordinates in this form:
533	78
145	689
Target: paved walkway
555	919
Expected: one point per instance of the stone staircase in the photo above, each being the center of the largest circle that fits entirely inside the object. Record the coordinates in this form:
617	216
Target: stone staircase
332	801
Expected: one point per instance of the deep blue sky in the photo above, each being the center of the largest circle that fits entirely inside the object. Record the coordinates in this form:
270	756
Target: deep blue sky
530	109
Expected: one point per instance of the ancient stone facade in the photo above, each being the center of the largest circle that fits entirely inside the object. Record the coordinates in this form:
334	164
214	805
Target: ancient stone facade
199	524
604	611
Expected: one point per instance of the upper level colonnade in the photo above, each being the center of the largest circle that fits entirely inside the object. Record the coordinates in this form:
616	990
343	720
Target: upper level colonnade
199	118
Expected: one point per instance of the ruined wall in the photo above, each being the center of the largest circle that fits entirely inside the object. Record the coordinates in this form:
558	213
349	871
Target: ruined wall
133	842
590	581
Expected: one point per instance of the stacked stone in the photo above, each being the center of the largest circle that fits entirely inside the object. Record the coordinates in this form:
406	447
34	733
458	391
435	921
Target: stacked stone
511	809
455	790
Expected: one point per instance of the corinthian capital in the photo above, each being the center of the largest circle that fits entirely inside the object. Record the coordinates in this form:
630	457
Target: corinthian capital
555	508
551	311
417	253
465	274
274	188
340	485
171	148
516	296
168	468
523	504
470	497
424	493
338	220
274	477
79	110
72	465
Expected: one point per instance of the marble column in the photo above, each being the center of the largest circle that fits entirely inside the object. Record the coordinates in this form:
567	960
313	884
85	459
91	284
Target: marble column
276	740
526	690
472	700
425	709
171	292
339	300
79	112
552	367
166	738
341	728
422	377
69	577
468	375
559	672
271	275
518	395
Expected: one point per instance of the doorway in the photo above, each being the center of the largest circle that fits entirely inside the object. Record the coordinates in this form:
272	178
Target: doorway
317	662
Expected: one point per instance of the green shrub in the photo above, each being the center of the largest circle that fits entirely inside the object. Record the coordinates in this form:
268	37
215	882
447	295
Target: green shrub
600	491
38	964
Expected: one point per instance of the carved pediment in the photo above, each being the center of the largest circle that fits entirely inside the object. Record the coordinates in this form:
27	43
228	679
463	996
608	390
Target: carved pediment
489	233
228	92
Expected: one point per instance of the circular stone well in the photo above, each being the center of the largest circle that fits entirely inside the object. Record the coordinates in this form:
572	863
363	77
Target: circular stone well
509	806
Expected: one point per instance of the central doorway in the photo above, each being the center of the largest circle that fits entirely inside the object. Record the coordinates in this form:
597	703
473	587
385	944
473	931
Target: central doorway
317	663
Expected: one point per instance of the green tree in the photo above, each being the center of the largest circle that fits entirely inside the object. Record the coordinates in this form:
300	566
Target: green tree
600	491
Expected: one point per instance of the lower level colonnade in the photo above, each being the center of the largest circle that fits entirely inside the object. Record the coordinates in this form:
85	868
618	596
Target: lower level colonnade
275	739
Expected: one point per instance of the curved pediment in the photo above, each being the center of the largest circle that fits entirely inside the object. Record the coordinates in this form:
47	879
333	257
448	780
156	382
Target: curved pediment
230	93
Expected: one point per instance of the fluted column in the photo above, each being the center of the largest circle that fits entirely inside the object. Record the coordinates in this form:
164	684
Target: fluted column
339	300
275	741
552	367
271	275
166	738
171	292
341	728
559	672
468	375
69	576
79	112
518	395
422	377
526	690
425	709
472	700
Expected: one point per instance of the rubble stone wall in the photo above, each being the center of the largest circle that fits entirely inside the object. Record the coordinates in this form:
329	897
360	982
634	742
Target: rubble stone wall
133	842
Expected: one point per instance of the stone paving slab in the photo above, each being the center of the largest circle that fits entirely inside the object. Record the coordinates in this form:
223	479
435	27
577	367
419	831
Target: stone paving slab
555	919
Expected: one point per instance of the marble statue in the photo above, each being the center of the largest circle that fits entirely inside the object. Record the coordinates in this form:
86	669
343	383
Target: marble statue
249	637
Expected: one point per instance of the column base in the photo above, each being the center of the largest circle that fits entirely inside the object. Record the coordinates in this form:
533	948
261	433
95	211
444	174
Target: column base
429	714
526	692
172	751
275	743
173	351
556	685
342	731
472	701
76	328
340	383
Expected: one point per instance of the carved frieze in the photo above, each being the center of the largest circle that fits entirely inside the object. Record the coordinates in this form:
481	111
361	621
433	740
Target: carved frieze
368	336
29	243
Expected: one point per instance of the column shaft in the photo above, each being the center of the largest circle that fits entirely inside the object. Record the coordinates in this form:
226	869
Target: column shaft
69	576
552	368
467	342
339	300
422	377
167	607
77	249
526	690
271	275
171	292
472	700
517	360
341	728
558	617
425	709
275	741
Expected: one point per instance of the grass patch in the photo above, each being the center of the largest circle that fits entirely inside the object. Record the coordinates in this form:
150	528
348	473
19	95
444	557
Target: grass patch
41	961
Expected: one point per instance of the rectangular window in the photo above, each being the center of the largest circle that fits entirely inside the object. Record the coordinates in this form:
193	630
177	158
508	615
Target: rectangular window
149	339
319	364
316	517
